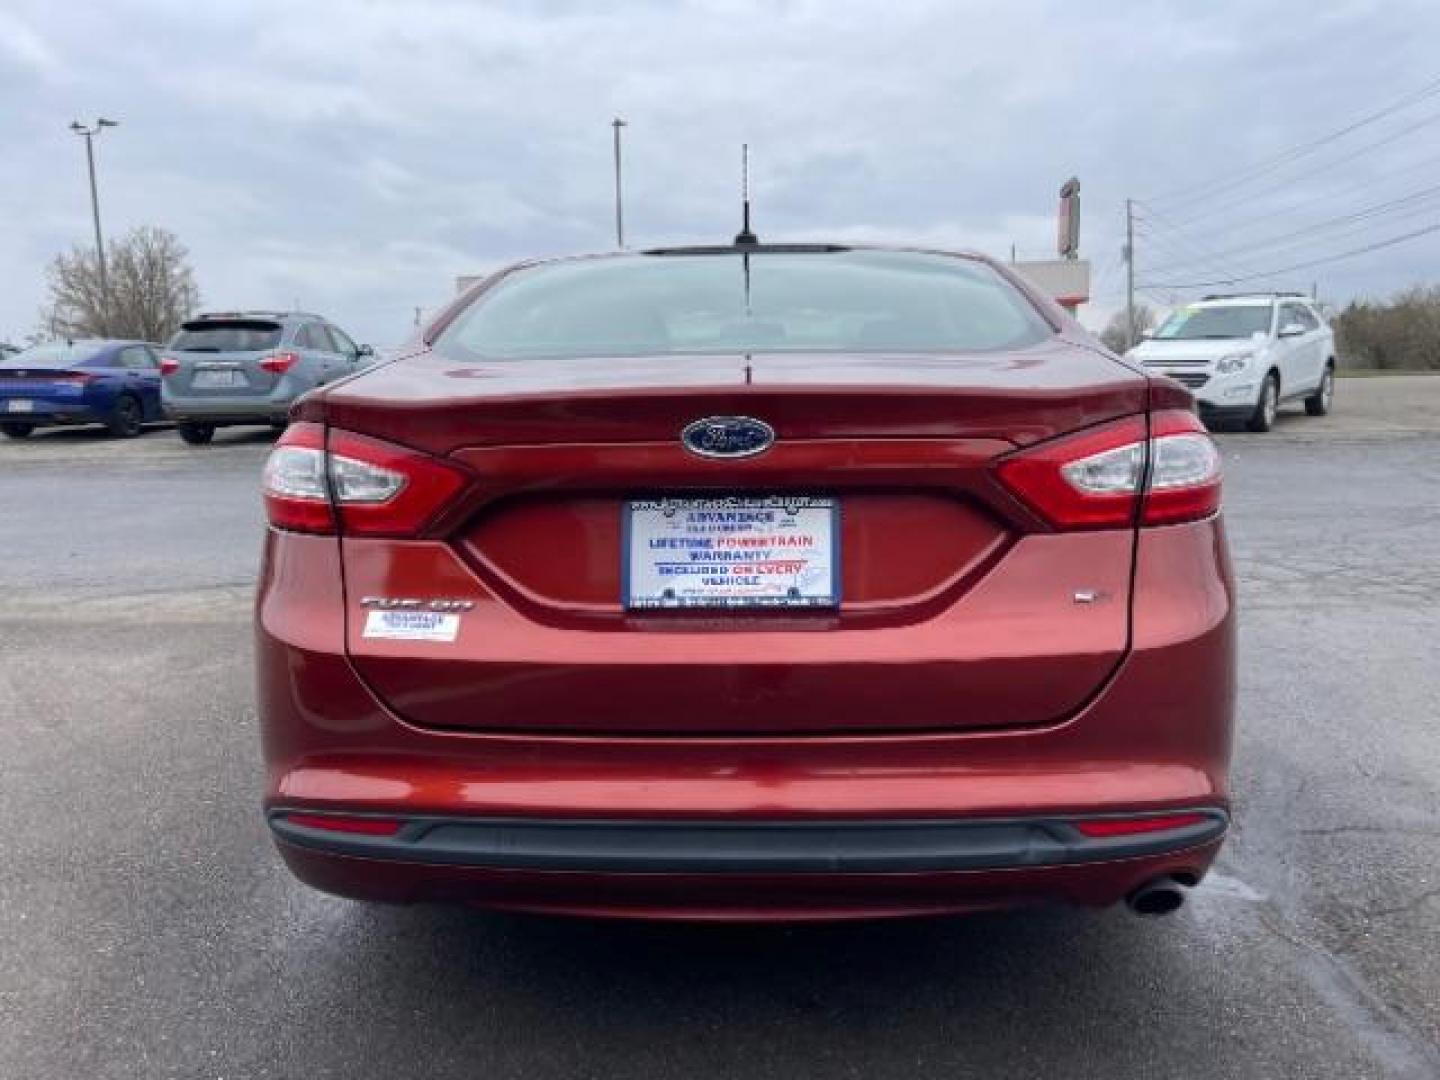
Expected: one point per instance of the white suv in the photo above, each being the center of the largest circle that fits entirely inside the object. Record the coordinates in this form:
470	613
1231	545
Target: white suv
1241	356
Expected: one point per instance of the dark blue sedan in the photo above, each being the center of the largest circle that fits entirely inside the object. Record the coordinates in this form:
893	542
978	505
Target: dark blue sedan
115	383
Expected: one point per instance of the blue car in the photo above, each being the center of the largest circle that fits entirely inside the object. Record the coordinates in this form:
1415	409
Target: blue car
115	383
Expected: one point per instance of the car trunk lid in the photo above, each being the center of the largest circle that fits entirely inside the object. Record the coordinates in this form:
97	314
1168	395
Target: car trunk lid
956	607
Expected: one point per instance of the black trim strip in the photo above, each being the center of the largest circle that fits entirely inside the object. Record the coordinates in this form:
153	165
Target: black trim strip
760	847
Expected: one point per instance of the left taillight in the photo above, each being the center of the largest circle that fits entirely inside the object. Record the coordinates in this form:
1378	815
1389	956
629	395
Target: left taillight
169	365
364	486
1120	474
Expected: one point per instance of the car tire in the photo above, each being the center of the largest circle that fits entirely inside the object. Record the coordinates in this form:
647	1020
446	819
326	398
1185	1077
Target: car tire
128	418
1320	402
1263	418
196	434
18	431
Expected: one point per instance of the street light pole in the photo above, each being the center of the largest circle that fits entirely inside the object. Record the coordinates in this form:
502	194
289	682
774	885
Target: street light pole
1130	334
89	134
617	124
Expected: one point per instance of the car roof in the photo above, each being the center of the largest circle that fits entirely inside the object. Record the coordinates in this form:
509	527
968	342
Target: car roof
97	343
278	316
785	248
821	247
1233	301
92	346
1254	297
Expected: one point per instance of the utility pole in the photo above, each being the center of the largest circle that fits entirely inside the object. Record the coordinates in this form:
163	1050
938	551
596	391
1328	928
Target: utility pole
1130	271
617	124
89	134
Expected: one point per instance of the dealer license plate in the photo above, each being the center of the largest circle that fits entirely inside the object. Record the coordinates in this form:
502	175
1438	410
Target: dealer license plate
775	551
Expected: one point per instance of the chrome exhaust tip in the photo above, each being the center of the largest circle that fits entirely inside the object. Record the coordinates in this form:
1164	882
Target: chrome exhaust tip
1162	896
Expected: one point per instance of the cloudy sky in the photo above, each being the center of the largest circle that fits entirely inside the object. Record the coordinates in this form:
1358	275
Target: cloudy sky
355	157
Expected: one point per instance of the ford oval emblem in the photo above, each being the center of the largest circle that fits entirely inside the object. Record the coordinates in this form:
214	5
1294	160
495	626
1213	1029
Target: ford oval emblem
728	437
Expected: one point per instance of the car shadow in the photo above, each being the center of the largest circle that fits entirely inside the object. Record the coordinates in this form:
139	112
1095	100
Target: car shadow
870	964
1288	418
92	434
636	998
87	436
245	436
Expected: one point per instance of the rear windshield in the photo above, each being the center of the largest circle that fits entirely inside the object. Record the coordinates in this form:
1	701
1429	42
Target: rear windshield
847	301
228	335
1234	321
56	355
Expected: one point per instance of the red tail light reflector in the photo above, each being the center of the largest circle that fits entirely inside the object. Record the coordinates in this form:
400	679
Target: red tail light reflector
169	365
377	488
364	826
279	363
1107	476
1104	827
75	378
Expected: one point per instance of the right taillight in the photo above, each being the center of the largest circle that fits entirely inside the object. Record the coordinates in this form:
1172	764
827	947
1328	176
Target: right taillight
370	487
1117	474
1184	482
279	363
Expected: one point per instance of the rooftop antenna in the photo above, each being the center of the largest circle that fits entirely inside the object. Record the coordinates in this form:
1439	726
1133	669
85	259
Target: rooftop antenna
745	236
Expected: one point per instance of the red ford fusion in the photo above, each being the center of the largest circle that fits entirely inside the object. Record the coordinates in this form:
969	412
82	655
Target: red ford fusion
754	581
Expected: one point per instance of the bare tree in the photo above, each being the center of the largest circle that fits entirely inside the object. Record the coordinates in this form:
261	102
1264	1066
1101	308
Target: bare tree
1116	334
152	289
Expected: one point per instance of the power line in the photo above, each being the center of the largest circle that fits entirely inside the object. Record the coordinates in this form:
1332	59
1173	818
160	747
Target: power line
1332	163
1182	238
1285	157
1103	277
1183	256
1409	203
1170	299
1297	247
1288	208
1390	242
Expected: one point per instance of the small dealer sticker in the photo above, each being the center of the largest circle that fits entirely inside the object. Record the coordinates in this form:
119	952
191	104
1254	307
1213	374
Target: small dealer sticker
412	625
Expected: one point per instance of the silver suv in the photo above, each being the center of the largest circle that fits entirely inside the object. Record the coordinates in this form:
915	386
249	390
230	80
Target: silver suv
247	367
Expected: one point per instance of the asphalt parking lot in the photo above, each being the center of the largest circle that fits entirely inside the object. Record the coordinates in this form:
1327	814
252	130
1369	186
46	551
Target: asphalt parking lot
150	931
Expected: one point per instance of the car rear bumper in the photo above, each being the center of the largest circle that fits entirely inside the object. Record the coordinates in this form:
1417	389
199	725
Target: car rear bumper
56	419
228	410
670	846
972	819
53	412
744	896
